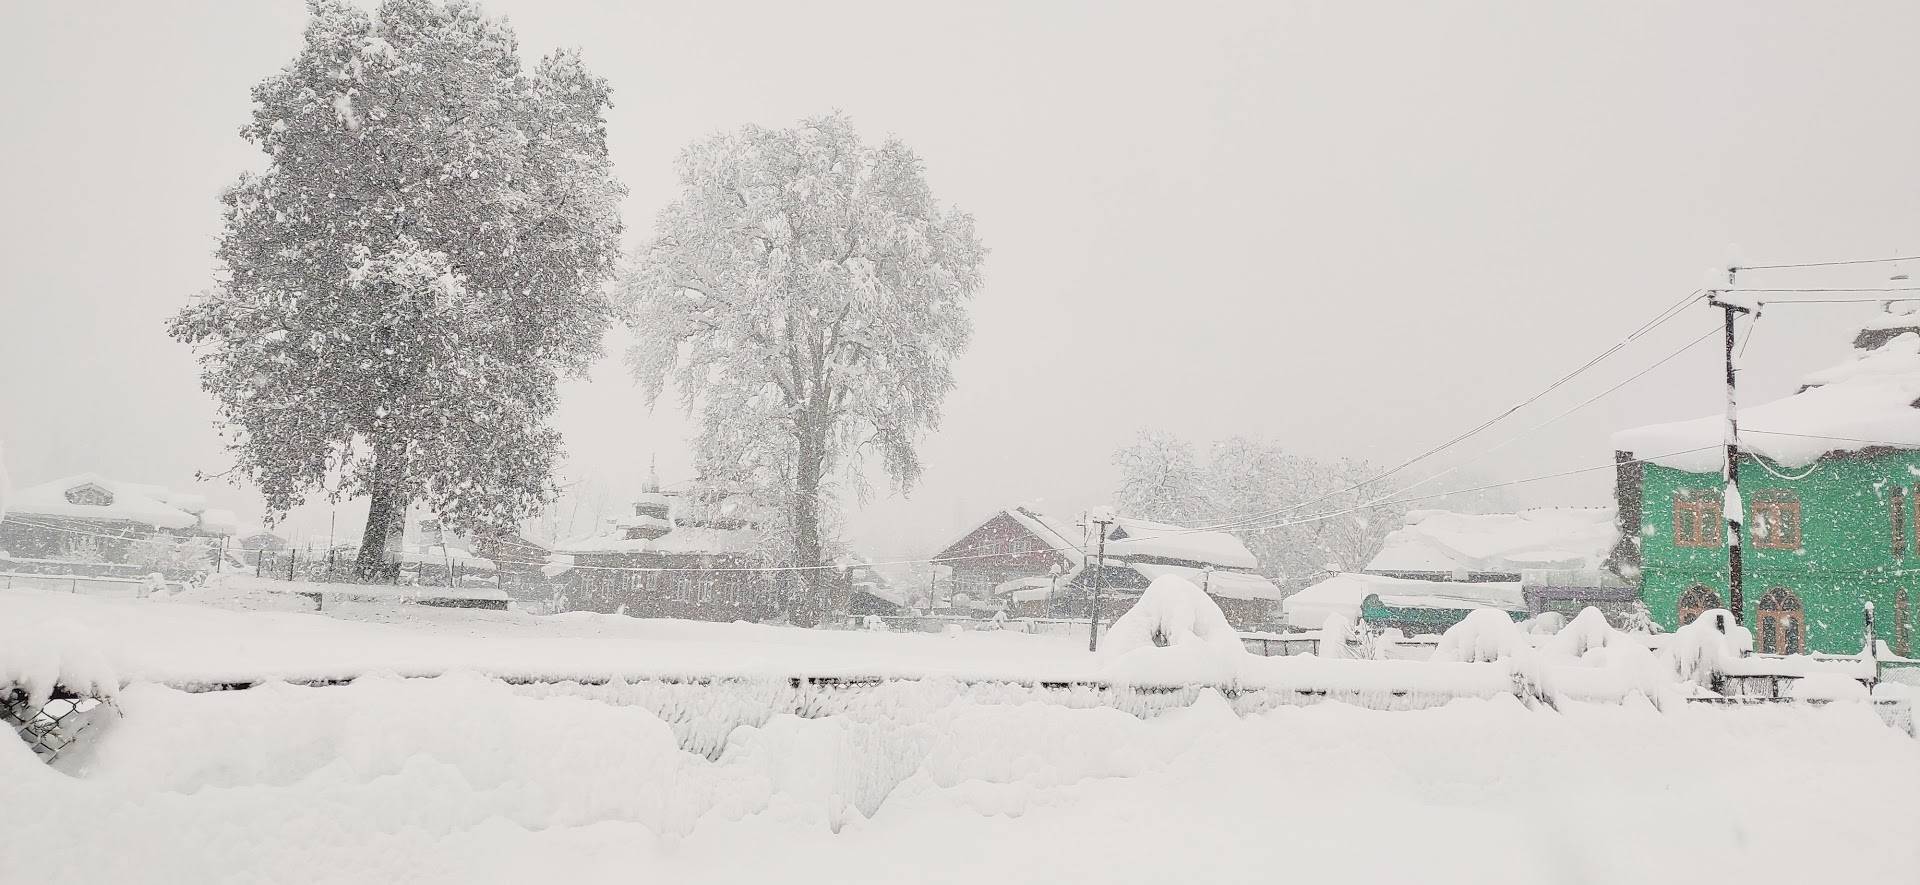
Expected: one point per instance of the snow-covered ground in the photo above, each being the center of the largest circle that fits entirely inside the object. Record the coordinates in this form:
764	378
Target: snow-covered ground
464	778
211	636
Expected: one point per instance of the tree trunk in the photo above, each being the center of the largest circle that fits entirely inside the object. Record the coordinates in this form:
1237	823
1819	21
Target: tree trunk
379	560
806	527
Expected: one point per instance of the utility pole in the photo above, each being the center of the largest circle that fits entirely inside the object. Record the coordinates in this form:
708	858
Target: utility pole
1100	522
1733	506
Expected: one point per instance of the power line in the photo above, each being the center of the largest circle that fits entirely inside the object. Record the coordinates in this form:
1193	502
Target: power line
1844	263
1745	289
1658	320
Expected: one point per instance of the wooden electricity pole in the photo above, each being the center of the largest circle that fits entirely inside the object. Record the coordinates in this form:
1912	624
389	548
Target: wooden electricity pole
1733	505
1100	522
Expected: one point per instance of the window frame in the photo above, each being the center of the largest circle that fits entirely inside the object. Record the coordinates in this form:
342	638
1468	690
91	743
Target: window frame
1703	508
1776	507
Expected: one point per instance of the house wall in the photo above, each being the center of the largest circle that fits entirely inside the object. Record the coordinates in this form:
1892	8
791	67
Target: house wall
1846	555
1000	550
701	588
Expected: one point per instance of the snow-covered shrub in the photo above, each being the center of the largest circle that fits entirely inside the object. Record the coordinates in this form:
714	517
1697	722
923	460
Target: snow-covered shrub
1174	634
1385	644
1334	633
1545	623
1699	651
1485	634
876	624
1587	631
1640	620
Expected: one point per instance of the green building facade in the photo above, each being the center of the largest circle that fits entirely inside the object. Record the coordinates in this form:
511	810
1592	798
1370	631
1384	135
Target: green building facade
1820	542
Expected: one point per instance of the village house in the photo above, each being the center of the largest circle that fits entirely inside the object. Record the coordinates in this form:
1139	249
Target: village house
1829	491
1035	565
88	523
670	558
1439	566
519	564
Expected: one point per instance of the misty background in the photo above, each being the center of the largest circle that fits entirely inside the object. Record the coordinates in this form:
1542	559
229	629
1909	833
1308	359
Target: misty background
1357	229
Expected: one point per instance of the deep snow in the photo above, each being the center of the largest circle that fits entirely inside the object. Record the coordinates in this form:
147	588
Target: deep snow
463	779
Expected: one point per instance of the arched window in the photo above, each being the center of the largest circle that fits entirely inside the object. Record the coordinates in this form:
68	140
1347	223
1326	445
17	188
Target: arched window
1902	623
1696	600
1783	623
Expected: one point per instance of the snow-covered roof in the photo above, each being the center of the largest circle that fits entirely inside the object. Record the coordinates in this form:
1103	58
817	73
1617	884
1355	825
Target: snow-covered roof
1344	593
884	594
1224	584
1440	541
116	500
682	539
1065	538
219	522
1173	542
1139	537
1865	402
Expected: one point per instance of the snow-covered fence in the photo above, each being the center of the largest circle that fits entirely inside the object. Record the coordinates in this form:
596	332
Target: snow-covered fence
92	585
53	726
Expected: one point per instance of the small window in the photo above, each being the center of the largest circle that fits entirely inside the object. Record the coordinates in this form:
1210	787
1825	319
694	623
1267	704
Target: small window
1776	520
1697	519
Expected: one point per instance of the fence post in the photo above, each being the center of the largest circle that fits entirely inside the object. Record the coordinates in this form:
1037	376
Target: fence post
293	555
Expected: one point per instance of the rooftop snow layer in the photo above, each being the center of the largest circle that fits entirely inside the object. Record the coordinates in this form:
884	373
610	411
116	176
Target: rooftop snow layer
131	502
1223	584
1173	542
1343	594
1543	538
1864	402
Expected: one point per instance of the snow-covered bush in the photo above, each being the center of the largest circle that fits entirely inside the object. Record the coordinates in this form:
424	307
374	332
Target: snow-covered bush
1485	634
1174	634
1545	624
876	624
1699	650
1334	633
1587	631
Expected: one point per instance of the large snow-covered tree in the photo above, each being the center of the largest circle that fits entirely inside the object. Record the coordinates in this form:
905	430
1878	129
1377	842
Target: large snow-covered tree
805	295
422	258
1301	517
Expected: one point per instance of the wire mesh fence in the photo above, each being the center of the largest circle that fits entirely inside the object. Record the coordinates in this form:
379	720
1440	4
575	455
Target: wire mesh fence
53	728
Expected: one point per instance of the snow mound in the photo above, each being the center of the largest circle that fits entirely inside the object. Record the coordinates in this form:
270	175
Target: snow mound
1175	633
1828	687
54	653
1483	635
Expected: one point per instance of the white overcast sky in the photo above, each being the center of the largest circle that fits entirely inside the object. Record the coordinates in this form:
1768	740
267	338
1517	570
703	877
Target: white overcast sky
1354	227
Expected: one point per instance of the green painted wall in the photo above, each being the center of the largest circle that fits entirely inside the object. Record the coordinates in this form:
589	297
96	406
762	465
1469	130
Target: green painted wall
1846	556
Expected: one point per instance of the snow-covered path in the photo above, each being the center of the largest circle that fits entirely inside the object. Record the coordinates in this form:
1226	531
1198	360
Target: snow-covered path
463	779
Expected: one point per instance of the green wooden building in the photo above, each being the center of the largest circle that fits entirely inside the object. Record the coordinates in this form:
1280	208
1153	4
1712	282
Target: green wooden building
1830	483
